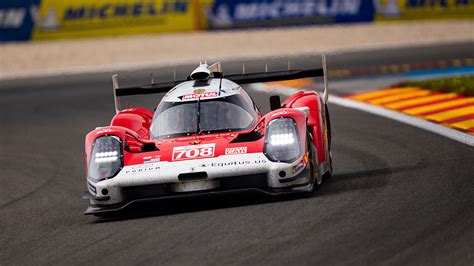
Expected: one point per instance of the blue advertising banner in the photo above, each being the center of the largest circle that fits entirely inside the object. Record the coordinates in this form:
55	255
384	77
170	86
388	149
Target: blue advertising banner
232	13
17	19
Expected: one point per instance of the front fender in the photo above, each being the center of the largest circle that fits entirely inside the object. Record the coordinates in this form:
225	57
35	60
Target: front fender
298	116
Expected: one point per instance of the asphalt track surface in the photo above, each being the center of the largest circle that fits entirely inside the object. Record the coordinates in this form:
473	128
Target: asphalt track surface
398	196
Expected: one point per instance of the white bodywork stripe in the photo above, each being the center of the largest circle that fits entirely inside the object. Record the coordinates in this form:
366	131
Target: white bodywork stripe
215	168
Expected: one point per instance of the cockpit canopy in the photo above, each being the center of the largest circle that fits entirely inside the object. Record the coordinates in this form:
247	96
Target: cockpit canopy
201	114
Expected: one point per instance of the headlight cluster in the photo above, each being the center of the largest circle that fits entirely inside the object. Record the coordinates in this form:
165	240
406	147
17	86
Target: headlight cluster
281	143
106	158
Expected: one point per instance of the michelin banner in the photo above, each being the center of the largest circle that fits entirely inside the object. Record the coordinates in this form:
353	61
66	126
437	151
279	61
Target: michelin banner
54	19
245	13
395	10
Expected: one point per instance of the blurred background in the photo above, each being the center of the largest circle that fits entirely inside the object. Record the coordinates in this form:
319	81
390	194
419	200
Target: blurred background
51	38
90	33
32	20
399	194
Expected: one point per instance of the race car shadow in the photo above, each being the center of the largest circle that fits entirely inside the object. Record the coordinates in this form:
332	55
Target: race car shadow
364	179
167	207
338	183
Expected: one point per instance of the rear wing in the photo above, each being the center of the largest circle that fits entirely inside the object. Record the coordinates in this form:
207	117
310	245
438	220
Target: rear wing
242	78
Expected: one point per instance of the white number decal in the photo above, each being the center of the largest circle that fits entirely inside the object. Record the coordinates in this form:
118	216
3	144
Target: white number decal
193	152
180	154
206	152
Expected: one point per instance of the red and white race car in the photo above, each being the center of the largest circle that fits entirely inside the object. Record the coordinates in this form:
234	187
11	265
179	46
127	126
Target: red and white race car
208	136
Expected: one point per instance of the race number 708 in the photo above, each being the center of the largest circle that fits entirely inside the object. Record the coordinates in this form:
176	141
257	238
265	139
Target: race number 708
193	152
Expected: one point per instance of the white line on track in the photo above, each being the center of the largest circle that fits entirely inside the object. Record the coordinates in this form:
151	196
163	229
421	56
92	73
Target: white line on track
394	115
406	119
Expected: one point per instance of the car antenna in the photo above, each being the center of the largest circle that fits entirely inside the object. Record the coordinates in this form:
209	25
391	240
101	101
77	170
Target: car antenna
152	78
220	83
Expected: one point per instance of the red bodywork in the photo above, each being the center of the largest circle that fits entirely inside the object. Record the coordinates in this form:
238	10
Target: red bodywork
316	120
132	126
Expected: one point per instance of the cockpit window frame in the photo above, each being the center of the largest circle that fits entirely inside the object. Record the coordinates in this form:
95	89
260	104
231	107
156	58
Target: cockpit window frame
240	100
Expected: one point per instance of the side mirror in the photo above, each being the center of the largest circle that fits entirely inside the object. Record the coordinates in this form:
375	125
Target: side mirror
275	102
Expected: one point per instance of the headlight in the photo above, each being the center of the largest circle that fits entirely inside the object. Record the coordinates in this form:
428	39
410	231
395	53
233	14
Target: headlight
106	158
281	142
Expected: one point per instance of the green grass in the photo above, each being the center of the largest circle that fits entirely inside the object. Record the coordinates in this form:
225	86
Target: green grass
459	85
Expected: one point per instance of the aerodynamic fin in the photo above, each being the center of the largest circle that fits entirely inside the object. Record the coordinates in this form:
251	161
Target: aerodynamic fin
325	77
216	69
116	87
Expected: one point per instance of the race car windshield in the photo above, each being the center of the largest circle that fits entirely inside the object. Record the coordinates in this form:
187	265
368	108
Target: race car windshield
231	113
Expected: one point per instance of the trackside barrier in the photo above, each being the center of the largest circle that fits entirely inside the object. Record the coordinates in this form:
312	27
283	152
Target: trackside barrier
248	13
396	10
22	20
58	19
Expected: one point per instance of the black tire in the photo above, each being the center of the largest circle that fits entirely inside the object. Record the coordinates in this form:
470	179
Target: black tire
328	122
312	162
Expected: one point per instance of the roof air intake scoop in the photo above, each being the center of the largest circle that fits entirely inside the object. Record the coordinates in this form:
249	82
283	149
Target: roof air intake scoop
202	72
